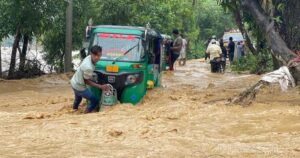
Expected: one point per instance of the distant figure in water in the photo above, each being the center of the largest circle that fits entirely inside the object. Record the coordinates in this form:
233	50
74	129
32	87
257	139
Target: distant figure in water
231	48
239	50
168	44
83	77
182	57
224	53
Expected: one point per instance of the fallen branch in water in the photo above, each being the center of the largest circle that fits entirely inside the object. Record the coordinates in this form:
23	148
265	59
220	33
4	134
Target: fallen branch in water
246	97
281	76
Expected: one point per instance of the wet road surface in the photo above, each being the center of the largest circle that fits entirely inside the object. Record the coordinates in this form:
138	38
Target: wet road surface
186	117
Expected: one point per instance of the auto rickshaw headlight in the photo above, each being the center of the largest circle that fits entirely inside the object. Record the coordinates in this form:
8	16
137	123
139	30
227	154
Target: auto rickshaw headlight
131	79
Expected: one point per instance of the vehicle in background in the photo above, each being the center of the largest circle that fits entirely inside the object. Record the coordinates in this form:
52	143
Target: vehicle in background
236	35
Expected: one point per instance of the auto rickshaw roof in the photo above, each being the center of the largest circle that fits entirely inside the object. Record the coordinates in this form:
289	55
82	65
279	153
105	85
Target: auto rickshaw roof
165	36
133	30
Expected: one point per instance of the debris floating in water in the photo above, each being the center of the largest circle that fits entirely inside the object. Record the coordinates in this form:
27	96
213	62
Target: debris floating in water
281	76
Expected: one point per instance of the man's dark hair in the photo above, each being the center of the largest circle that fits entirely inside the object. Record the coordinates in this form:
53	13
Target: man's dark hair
230	38
96	49
175	31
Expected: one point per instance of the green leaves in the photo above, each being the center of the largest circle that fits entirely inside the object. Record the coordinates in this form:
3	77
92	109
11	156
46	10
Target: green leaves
281	7
213	20
46	19
53	39
277	19
32	16
161	14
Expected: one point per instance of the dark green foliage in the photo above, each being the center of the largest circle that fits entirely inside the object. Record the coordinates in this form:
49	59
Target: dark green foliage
197	52
45	19
53	40
259	64
213	20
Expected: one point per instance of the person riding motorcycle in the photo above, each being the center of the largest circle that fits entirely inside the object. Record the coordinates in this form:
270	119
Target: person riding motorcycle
215	52
214	38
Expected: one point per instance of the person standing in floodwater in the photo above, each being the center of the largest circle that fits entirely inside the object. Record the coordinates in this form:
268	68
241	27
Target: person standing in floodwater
83	77
231	47
182	57
224	54
176	48
239	50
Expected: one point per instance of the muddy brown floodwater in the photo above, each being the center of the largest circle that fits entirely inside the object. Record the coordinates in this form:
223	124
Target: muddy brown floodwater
187	117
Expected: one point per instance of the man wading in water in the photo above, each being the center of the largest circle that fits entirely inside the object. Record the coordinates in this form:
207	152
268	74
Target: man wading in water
82	78
177	46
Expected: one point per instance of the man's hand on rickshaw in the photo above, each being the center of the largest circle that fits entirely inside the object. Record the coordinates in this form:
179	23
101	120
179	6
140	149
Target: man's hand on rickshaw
104	87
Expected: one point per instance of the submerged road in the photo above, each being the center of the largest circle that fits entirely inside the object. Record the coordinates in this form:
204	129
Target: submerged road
186	117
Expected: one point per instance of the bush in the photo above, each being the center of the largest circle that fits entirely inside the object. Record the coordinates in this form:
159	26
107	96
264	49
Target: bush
246	63
197	51
259	64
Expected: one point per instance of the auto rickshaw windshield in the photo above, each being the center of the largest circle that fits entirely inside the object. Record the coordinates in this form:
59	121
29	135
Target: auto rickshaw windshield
116	45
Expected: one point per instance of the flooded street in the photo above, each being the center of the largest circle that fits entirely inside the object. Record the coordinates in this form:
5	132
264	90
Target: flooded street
186	117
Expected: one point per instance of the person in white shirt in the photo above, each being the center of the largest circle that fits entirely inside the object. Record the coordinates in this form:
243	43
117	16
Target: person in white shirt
83	77
214	50
215	53
182	57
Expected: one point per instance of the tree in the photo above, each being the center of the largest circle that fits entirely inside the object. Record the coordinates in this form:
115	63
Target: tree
53	40
68	46
45	19
262	12
10	26
24	19
161	14
23	53
286	17
213	20
0	60
117	12
266	23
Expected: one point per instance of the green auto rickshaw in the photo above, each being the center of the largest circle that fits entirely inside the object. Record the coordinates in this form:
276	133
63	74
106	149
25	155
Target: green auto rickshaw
131	60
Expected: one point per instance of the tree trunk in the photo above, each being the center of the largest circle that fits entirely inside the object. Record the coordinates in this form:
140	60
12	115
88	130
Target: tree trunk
19	50
11	71
274	40
61	63
238	20
23	54
0	62
194	2
276	64
289	27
